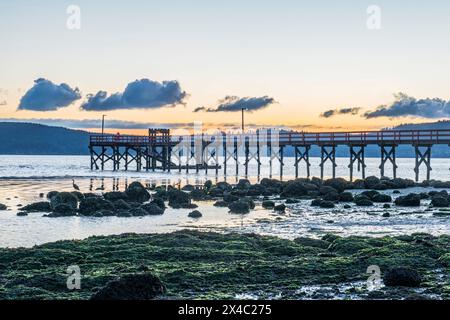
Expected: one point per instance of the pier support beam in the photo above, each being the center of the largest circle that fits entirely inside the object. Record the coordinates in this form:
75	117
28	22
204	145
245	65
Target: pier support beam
302	154
325	155
388	154
357	155
423	156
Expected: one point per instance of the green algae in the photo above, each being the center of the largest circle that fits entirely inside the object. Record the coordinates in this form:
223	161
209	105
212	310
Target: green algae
205	265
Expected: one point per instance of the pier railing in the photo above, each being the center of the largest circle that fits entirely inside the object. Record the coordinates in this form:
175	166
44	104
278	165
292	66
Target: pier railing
298	138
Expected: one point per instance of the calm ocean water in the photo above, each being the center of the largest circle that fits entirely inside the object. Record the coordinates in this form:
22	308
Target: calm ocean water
23	178
79	166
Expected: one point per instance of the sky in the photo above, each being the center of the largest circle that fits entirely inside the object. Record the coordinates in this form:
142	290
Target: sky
307	65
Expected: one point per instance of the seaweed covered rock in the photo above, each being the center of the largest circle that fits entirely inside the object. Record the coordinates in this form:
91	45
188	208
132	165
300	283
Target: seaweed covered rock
402	277
89	206
410	200
131	287
66	198
195	214
309	242
136	192
240	207
42	206
3	207
152	209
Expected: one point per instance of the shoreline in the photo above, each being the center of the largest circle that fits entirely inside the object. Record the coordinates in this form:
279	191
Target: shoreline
206	265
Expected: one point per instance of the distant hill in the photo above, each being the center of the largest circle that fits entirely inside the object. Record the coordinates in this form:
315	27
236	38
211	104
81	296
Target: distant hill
439	125
37	139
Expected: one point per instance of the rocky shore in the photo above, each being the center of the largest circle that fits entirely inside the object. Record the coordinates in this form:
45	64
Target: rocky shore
241	198
191	264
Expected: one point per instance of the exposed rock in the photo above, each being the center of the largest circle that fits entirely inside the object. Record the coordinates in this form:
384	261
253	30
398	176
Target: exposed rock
400	276
66	198
139	212
195	214
221	204
316	202
326	204
338	184
131	287
51	194
292	201
22	214
382	198
3	207
363	201
115	195
63	210
229	197
121	205
346	197
386	206
327	189
152	209
332	196
188	187
347	206
243	184
198	194
159	202
178	198
137	192
89	206
439	201
268	204
280	207
370	194
386	215
371	182
411	200
294	189
78	195
208	184
240	207
37	207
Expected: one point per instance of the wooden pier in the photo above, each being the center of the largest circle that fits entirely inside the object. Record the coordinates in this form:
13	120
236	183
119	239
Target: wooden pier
162	151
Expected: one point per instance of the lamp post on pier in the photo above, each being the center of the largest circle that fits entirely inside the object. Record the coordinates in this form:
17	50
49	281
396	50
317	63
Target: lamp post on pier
103	124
